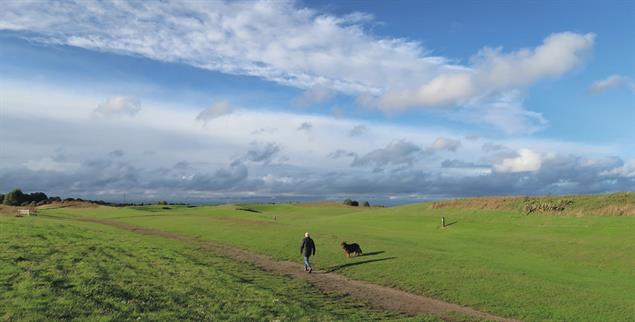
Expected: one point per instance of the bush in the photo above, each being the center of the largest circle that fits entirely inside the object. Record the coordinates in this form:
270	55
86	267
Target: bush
348	202
37	196
55	199
14	198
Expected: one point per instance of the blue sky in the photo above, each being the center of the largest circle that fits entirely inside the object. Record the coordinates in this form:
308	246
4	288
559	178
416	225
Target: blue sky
382	100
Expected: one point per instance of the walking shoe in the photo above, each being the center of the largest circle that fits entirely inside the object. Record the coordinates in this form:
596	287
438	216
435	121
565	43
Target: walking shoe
310	270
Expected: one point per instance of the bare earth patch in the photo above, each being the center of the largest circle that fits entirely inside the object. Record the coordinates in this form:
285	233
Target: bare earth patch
377	296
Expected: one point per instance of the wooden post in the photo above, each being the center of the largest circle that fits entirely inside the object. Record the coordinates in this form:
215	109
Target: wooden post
443	222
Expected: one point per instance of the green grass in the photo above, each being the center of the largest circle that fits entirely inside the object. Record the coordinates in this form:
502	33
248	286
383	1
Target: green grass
55	269
530	267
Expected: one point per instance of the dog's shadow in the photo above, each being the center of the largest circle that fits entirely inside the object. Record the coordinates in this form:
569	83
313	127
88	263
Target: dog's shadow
373	253
339	267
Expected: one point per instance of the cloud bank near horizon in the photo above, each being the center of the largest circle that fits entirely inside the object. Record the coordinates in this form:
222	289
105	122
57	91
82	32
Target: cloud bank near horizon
163	152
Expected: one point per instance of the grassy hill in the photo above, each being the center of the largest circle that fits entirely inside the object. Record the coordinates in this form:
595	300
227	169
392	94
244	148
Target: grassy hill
493	256
614	204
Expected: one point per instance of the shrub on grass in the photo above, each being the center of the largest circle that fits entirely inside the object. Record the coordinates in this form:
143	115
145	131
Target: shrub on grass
14	198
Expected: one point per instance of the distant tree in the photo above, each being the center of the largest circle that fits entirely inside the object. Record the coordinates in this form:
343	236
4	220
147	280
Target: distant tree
14	198
37	197
55	199
355	203
348	202
162	202
366	204
1	198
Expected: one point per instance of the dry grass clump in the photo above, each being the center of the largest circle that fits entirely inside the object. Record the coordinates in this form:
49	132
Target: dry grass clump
614	204
478	203
71	204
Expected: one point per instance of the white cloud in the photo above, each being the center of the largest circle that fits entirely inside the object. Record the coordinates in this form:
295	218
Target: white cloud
506	112
396	153
314	95
526	161
611	82
275	40
119	105
494	71
447	144
305	126
358	130
627	170
324	55
222	159
217	109
51	164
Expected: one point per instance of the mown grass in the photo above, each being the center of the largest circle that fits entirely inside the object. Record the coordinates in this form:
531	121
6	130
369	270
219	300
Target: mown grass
54	269
530	267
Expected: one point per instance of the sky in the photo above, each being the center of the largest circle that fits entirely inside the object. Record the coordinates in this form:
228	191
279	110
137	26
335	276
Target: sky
386	101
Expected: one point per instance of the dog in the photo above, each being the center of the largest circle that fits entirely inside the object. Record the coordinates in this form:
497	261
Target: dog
351	249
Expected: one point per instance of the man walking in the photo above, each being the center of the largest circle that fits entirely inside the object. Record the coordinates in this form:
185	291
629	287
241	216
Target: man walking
307	249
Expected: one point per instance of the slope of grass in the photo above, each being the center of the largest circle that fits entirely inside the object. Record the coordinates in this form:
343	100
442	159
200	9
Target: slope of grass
613	204
52	269
504	262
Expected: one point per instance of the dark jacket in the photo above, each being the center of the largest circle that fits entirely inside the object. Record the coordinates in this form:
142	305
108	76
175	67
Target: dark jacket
308	247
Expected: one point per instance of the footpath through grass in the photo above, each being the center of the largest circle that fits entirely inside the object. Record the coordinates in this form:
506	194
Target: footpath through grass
54	269
529	267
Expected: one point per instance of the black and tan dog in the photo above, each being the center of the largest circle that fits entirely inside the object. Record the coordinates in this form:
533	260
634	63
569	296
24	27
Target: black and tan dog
351	249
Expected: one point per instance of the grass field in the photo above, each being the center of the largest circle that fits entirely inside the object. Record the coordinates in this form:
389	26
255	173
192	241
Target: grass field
532	267
52	269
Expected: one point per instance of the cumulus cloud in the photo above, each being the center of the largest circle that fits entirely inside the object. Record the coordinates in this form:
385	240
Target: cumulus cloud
314	95
185	162
399	152
526	161
358	130
627	170
461	164
305	126
119	105
492	147
51	164
340	153
263	130
472	137
444	144
116	153
493	71
216	110
611	82
264	153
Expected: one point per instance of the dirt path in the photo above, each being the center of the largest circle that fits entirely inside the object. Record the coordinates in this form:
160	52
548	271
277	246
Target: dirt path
377	296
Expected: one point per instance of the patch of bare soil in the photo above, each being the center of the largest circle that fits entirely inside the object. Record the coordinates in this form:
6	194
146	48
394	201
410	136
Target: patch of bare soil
379	297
